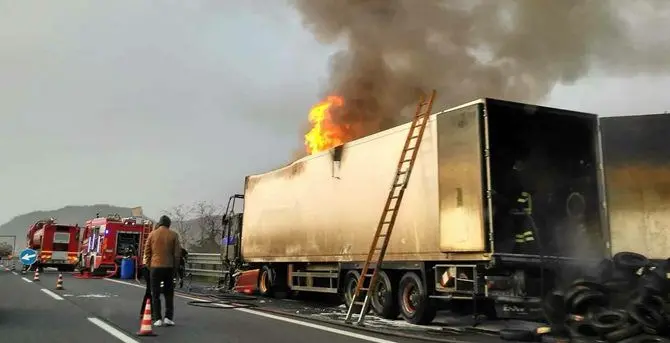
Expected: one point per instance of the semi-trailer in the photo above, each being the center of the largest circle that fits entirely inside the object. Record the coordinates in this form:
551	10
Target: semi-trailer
504	201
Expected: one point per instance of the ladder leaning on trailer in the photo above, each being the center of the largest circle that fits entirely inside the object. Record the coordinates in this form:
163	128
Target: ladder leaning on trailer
390	211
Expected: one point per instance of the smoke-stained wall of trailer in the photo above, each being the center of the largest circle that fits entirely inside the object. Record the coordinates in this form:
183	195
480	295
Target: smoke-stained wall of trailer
637	175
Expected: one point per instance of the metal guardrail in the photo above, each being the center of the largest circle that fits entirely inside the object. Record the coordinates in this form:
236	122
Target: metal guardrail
197	264
201	264
11	263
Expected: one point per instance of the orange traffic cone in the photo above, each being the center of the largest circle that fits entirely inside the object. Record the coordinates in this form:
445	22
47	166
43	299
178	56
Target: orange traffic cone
145	325
59	282
37	275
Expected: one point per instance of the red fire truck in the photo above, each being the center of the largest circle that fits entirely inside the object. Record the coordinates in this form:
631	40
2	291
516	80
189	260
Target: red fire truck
106	240
56	244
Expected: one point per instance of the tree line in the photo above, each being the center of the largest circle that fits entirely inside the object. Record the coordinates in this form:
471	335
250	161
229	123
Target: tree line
198	225
6	249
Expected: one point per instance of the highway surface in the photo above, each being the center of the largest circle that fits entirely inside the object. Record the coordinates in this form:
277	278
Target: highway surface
107	310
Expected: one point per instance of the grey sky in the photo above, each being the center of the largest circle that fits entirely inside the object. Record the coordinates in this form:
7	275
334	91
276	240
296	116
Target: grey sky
135	103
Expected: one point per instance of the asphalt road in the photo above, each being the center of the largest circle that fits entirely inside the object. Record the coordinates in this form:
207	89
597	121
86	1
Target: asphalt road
107	310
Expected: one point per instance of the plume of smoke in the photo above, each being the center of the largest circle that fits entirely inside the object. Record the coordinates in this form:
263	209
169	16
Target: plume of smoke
511	49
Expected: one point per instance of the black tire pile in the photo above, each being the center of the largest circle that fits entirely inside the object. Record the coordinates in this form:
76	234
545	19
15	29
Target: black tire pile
625	300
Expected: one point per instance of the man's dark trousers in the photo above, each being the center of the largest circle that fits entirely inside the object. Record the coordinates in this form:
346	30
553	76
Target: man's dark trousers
147	292
165	275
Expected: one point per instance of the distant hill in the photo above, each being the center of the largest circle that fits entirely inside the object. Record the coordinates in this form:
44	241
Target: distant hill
66	215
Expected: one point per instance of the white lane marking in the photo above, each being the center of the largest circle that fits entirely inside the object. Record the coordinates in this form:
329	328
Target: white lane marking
15	273
284	319
176	294
52	294
112	330
317	326
26	280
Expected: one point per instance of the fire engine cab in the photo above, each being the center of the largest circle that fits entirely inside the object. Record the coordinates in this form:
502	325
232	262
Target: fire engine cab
107	240
56	244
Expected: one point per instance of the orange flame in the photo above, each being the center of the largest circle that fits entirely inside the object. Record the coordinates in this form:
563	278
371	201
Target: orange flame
324	134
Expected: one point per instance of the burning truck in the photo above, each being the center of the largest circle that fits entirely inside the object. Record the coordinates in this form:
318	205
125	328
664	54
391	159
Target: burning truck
505	201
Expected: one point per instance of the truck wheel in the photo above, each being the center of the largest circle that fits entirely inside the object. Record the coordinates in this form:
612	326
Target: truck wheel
385	297
265	281
415	305
350	281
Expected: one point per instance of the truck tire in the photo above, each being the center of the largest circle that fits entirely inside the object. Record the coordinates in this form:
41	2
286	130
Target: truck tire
415	305
265	277
350	281
384	298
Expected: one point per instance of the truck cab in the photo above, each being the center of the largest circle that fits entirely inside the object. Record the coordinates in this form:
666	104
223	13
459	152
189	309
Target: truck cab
56	244
107	240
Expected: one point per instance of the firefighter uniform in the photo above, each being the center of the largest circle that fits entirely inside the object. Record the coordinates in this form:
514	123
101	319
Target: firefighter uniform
525	242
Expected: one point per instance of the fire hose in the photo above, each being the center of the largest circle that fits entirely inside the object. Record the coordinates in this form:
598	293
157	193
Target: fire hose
223	301
89	275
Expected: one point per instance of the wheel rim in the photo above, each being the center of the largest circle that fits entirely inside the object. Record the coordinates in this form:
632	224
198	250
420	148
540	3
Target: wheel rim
351	288
380	293
264	282
410	297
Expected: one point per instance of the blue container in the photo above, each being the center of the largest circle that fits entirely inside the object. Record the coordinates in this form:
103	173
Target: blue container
127	269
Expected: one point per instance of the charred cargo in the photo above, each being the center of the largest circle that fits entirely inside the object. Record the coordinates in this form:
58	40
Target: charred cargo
504	197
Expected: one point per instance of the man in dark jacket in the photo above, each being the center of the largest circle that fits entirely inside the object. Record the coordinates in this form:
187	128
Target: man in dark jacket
162	252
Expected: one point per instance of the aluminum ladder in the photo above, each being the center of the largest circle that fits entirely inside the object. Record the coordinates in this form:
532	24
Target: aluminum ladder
388	217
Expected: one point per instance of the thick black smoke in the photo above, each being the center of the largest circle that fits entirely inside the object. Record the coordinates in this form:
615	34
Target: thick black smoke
511	49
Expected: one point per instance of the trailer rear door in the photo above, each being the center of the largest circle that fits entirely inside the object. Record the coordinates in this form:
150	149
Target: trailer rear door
553	155
637	175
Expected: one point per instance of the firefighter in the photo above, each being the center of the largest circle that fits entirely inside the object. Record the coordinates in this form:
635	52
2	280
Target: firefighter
522	211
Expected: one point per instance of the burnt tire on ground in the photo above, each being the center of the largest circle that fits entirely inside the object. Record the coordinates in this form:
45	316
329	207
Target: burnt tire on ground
624	332
631	305
585	301
608	321
648	316
646	339
629	261
590	284
415	305
384	298
582	329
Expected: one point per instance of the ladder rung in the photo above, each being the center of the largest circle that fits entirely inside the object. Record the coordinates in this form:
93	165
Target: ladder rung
410	148
359	303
